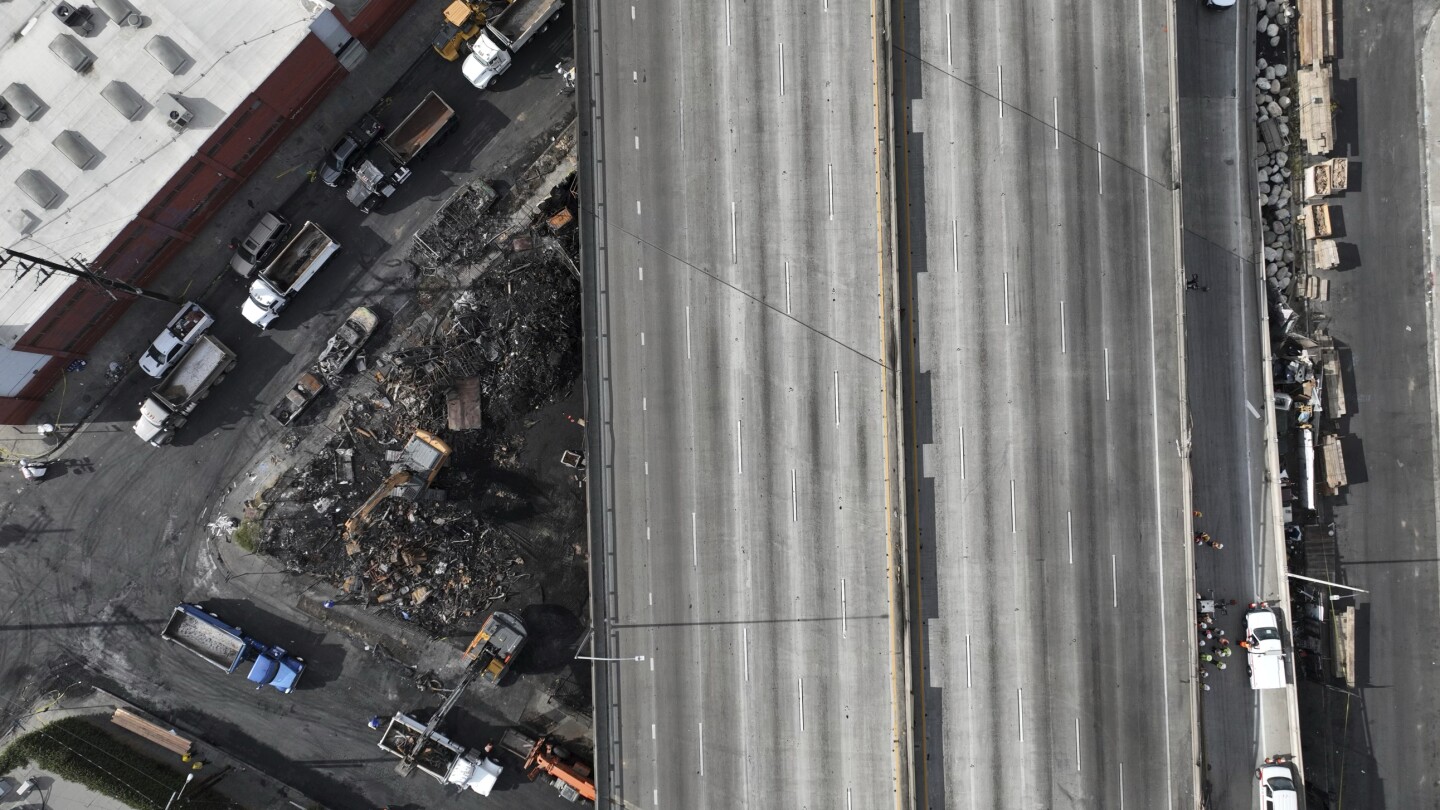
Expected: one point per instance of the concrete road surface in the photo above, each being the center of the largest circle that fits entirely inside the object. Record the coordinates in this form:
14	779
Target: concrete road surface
1054	662
739	248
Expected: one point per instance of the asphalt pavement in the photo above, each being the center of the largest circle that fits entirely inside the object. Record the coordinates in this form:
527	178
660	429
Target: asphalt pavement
1379	749
1225	368
1039	244
739	393
96	556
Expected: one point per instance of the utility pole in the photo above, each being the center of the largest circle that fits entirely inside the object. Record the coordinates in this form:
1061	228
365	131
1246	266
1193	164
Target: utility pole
24	262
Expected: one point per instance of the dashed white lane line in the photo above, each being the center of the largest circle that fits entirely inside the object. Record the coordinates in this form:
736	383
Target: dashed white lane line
1099	169
1014	518
745	650
687	332
1062	328
1114	582
1077	744
800	684
734	236
830	188
955	242
702	748
694	541
1020	712
787	288
637	207
794	500
641	271
843	605
837	397
1070	536
1107	373
739	448
962	452
782	68
1000	87
1056	100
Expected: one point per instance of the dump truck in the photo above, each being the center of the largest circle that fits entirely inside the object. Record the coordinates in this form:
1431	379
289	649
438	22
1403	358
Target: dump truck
494	50
226	647
431	119
297	398
412	474
286	274
463	21
176	396
345	344
496	646
437	755
544	756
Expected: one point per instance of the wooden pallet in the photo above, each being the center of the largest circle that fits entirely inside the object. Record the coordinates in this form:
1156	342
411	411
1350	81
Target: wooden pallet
154	732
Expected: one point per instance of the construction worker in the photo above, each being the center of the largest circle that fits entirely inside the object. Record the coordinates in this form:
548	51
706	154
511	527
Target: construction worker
1207	658
1225	652
1219	664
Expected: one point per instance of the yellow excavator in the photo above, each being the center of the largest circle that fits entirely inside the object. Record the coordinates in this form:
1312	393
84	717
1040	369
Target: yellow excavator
419	463
464	20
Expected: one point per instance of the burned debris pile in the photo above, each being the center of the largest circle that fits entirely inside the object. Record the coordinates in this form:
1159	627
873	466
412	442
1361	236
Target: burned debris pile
425	500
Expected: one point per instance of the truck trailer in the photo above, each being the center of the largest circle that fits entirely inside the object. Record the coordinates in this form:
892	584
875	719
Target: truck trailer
176	396
431	119
447	761
226	647
285	275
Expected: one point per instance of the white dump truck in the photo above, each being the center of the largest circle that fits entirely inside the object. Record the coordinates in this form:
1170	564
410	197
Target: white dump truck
494	50
285	275
447	761
175	397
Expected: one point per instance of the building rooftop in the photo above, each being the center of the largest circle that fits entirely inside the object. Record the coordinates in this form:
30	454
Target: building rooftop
105	103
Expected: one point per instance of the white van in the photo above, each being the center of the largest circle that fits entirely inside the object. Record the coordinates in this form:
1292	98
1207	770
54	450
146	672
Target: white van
1266	658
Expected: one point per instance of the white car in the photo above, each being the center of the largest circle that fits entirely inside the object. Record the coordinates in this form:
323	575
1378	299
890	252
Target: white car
1277	788
1219	3
180	334
255	248
1266	658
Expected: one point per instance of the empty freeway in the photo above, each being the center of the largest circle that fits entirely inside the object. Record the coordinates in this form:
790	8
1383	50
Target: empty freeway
744	450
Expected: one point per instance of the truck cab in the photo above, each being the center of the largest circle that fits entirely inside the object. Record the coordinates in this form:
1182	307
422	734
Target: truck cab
486	61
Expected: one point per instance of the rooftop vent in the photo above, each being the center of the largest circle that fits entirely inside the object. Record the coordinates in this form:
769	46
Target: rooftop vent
76	18
121	12
74	147
27	105
39	188
69	50
124	99
167	53
177	115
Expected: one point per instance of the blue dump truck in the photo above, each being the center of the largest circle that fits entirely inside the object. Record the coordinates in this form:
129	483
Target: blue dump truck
204	634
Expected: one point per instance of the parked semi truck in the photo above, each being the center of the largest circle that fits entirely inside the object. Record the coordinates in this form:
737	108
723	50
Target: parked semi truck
226	647
439	756
494	50
287	273
176	396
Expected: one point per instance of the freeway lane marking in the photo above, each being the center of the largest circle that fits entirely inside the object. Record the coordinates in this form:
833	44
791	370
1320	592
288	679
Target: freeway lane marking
1107	373
702	749
1070	536
1253	412
837	397
1062	327
739	449
745	649
1013	521
842	607
1114	583
830	187
1077	745
1056	100
949	42
800	682
955	242
641	271
1020	712
1100	168
1000	88
694	542
787	288
794	500
969	680
734	238
687	332
782	68
962	452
